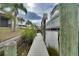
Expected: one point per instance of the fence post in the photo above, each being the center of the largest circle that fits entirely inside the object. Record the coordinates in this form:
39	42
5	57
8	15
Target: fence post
10	49
68	29
45	16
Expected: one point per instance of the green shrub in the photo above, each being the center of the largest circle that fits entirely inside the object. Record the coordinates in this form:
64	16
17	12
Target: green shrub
52	51
29	34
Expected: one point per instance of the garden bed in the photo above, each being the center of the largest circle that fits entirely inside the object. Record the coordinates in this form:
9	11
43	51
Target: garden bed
26	41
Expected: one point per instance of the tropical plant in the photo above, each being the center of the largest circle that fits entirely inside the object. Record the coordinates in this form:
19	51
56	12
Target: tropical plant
29	34
13	12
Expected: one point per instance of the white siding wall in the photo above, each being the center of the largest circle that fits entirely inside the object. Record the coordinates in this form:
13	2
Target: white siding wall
52	39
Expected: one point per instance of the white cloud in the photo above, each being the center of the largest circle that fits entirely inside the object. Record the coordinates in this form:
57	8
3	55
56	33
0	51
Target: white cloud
21	12
37	22
38	9
30	6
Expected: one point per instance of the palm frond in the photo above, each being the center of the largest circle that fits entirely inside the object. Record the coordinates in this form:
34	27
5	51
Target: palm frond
20	6
4	5
9	15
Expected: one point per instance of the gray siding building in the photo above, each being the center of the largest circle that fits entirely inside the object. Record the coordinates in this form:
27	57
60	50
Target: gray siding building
4	22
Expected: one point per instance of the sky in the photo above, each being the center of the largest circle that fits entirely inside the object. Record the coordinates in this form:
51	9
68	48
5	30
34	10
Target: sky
35	11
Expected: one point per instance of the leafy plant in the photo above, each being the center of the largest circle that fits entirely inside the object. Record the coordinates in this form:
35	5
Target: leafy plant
52	51
29	33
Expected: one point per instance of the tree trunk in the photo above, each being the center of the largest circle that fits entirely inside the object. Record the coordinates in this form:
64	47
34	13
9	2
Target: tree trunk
14	28
68	29
14	22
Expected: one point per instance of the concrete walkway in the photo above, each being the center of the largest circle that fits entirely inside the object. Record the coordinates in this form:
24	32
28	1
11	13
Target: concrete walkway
38	47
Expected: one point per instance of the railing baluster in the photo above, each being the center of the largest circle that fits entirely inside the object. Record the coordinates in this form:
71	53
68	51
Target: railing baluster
10	49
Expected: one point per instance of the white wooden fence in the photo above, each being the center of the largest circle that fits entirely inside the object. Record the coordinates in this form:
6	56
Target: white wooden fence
9	46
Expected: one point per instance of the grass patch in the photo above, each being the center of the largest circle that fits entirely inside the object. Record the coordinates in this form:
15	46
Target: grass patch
6	33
